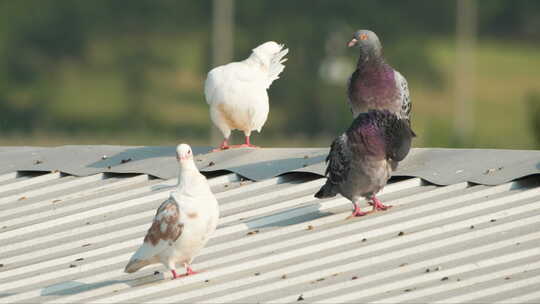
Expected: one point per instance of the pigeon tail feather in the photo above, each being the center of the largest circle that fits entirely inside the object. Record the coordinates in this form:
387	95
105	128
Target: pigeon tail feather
276	65
328	190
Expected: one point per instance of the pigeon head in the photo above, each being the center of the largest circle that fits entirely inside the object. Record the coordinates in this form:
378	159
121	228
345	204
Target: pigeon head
266	51
184	153
368	42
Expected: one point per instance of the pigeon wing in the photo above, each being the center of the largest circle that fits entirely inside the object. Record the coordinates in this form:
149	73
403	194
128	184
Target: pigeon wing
224	81
339	160
398	137
166	229
403	87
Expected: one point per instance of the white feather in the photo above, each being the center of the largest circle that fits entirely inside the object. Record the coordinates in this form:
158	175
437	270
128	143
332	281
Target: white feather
236	92
199	213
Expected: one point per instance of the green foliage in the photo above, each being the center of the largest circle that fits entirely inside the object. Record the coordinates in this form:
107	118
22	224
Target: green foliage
533	103
77	67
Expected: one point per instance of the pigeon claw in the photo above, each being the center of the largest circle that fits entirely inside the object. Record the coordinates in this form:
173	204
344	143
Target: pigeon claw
358	212
221	149
224	146
175	275
189	272
377	205
247	146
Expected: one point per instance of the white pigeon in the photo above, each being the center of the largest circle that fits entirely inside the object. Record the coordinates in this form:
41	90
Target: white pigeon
236	92
183	223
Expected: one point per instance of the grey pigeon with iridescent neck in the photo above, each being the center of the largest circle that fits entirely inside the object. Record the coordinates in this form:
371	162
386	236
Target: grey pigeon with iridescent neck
375	84
361	160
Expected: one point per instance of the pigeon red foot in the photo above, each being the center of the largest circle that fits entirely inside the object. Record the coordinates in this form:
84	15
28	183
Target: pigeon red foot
189	271
224	146
247	144
377	205
357	211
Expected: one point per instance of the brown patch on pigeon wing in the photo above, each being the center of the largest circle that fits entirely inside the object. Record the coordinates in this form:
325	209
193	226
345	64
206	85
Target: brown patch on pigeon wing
165	225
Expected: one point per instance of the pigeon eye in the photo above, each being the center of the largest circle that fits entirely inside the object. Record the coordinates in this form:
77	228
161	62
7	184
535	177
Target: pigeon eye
189	152
363	37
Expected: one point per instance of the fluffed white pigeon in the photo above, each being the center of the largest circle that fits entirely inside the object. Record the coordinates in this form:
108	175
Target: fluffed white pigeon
182	224
236	92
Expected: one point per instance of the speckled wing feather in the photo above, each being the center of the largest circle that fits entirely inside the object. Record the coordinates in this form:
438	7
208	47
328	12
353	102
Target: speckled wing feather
166	229
166	225
406	105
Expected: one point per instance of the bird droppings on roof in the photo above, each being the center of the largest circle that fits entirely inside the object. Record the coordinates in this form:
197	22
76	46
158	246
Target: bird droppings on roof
126	160
284	252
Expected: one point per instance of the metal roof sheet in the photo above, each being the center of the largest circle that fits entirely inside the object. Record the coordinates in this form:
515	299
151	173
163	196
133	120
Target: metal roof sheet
436	165
67	239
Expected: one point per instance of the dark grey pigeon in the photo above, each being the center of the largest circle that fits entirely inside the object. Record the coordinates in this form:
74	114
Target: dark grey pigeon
375	84
361	160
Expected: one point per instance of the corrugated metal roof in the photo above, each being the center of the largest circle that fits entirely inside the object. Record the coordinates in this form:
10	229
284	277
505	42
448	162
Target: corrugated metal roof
67	239
439	166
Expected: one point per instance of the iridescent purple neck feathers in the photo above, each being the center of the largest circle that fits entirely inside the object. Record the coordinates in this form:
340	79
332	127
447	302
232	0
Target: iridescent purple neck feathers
375	84
381	133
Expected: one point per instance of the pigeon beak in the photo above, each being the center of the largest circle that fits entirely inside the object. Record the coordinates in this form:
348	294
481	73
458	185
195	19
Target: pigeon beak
352	42
183	157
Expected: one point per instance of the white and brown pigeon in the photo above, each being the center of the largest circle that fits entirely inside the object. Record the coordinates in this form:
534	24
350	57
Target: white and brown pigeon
361	160
237	92
375	84
182	224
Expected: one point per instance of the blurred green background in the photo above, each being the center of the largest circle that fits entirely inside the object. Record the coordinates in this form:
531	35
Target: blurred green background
132	72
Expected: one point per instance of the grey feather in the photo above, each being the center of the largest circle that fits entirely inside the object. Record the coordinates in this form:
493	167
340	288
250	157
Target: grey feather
375	84
361	160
